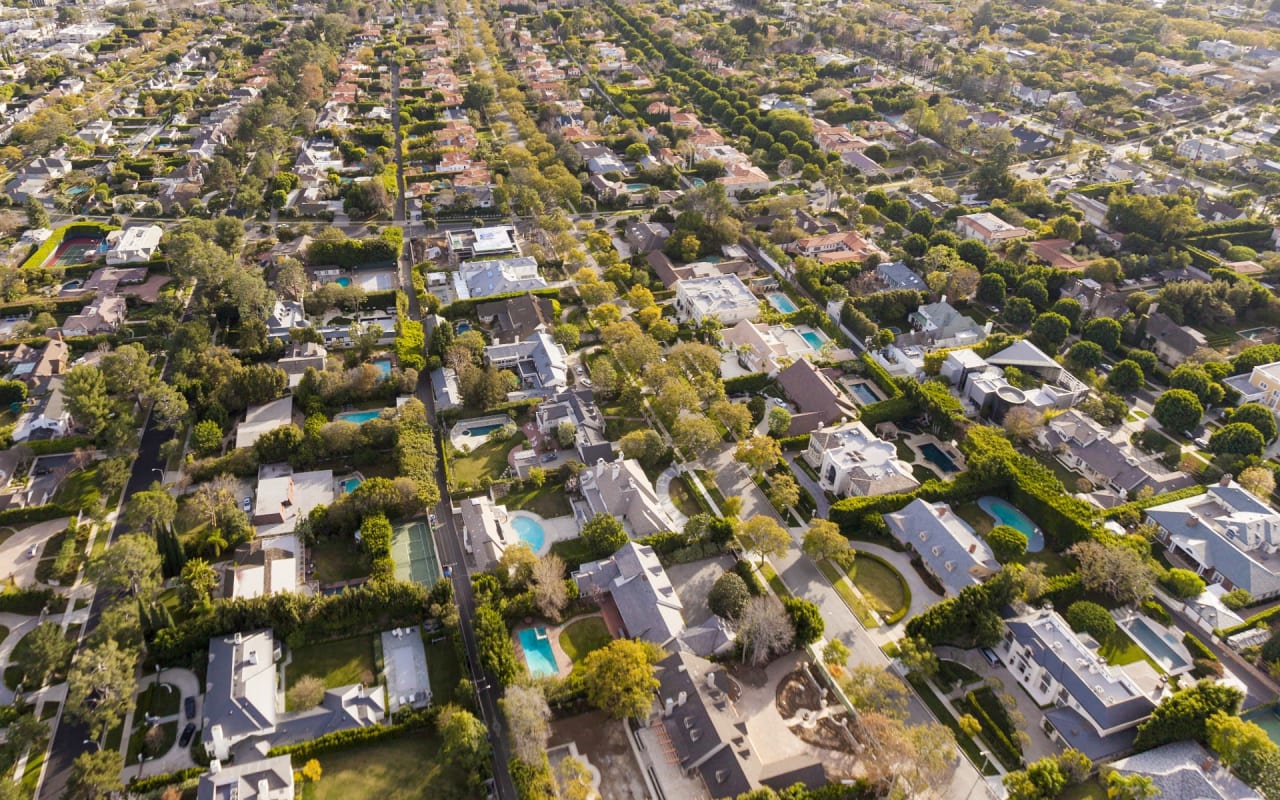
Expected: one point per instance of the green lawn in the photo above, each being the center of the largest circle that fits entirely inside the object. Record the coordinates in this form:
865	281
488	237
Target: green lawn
338	559
168	735
443	669
489	459
575	552
881	584
408	767
548	501
1119	650
79	489
617	427
953	673
1093	790
775	583
855	603
683	498
337	663
584	636
158	701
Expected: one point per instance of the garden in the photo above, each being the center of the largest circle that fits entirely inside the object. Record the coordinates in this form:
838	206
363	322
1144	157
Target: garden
882	588
405	767
488	460
584	636
335	663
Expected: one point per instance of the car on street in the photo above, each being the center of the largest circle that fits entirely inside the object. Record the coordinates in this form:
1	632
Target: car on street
189	706
548	457
185	739
31	553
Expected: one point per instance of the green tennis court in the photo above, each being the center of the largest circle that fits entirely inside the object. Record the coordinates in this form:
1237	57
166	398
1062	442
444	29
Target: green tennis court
414	552
75	252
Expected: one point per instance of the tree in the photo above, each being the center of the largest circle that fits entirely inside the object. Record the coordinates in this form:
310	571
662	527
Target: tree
95	774
735	417
550	594
1238	439
1237	599
566	432
1185	714
1023	424
603	534
1041	780
1259	416
151	510
311	771
1085	355
1049	331
464	741
306	692
783	492
1091	618
824	541
806	620
131	565
1018	311
1183	583
206	437
1177	410
644	445
1135	786
835	653
1126	376
1115	569
198	581
619	678
493	640
872	688
759	453
694	434
1104	332
528	722
37	216
763	536
1007	543
915	654
728	596
567	335
85	390
1259	480
991	287
780	420
574	780
41	653
101	685
764	630
291	279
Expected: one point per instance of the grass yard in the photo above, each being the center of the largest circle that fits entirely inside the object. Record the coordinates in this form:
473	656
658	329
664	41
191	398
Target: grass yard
1070	480
408	767
79	489
683	498
337	663
1120	650
617	427
158	701
851	599
584	636
338	560
880	583
443	669
487	460
953	673
1092	790
168	735
547	501
967	744
575	552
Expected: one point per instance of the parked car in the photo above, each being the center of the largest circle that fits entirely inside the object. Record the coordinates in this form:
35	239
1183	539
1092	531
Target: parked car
990	656
248	504
189	705
185	739
548	457
35	548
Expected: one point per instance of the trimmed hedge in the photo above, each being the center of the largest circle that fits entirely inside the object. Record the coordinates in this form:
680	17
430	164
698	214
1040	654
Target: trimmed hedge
351	737
1198	648
1155	500
155	782
459	309
1157	612
794	443
47	447
1269	616
1007	749
881	377
44	513
891	410
751	383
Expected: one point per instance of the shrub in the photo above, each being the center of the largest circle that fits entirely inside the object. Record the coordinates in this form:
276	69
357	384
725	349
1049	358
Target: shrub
1157	612
1007	543
1091	618
1198	648
805	619
728	596
1182	583
306	693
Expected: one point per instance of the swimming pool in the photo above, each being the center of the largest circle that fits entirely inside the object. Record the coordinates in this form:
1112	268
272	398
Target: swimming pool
358	417
530	531
864	394
1006	514
1157	645
350	485
814	340
934	455
384	367
343	281
1266	718
637	187
537	652
484	430
783	303
462	327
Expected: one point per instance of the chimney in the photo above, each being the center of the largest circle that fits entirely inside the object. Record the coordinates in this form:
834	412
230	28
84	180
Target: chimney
239	638
681	698
215	766
711	680
1226	480
973	548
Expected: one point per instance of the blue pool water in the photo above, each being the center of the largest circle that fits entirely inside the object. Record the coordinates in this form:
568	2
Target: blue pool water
864	394
343	281
484	430
934	455
814	340
384	367
358	417
1155	645
1005	514
1267	718
530	532
698	182
783	303
350	485
462	327
637	187
537	652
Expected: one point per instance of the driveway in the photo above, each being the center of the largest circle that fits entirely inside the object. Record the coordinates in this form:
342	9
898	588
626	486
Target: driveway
13	551
922	596
187	684
693	581
809	485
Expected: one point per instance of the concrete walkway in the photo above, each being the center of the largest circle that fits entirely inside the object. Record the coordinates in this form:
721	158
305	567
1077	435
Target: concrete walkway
809	485
19	625
663	488
1037	745
187	684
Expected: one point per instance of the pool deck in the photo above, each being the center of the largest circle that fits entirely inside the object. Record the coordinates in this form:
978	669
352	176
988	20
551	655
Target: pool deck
458	433
563	663
554	530
916	441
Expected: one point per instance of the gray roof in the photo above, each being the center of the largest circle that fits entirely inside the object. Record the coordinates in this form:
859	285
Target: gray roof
240	688
1082	736
243	781
1088	442
706	734
1216	528
1187	771
815	393
1026	356
646	600
623	490
945	542
518	318
1177	337
897	275
577	406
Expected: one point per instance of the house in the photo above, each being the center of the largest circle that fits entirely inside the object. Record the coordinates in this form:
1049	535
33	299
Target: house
743	176
637	586
1172	343
988	229
285	316
646	237
833	247
515	319
1261	385
1228	534
819	400
1096	708
259	779
981	383
240	691
259	569
1094	211
37	368
299	357
489	242
107	280
622	490
444	388
104	314
724	297
852	461
948	547
538	361
576	407
897	275
1186	769
133	245
711	740
1083	446
941	325
863	163
285	496
486	530
47	417
770	348
261	419
1209	612
499	276
1209	150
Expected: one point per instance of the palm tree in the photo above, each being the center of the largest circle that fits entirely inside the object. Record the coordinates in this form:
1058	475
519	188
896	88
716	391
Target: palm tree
1130	787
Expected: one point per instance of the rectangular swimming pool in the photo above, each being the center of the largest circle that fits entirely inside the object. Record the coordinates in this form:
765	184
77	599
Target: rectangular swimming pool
1156	645
358	417
934	455
864	394
813	339
537	652
781	302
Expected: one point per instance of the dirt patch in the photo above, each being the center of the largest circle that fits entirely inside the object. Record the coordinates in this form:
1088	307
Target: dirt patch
796	691
603	742
798	697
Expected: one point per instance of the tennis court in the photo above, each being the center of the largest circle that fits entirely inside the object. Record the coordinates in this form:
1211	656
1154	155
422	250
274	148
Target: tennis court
415	554
75	251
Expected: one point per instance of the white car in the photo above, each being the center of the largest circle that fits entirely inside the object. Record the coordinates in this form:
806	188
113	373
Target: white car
248	504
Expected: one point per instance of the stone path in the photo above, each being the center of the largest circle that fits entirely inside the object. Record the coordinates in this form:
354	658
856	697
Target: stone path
663	488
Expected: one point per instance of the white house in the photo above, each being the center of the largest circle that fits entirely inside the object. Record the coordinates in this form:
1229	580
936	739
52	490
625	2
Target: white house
724	297
851	460
949	548
498	276
621	489
259	779
133	245
47	418
240	691
988	228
